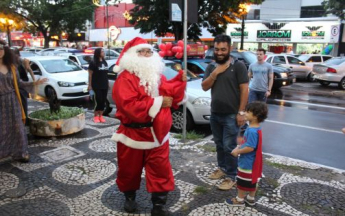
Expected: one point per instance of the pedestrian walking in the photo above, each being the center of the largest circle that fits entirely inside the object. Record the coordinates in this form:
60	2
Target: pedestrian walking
261	75
250	159
143	98
13	138
228	81
98	83
23	67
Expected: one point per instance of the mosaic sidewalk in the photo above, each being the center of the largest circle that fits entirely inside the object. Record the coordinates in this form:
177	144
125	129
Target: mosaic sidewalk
75	175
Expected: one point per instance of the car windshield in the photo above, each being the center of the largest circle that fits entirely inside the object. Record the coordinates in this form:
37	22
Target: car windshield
303	58
59	65
85	59
335	61
170	72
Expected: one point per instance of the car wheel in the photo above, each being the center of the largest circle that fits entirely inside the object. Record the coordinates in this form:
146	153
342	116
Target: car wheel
310	77
107	109
177	120
50	93
324	83
341	85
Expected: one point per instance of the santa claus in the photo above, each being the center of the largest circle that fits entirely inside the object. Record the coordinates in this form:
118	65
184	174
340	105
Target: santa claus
143	99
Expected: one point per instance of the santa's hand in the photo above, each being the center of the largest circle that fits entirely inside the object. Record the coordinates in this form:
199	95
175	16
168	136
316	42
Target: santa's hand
167	101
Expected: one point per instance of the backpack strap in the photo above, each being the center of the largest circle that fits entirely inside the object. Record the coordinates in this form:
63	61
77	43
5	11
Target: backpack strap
16	88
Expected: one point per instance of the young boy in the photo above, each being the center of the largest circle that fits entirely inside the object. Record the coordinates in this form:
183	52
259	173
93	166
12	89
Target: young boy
250	161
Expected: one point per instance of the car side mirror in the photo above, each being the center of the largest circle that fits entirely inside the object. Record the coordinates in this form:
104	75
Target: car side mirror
302	63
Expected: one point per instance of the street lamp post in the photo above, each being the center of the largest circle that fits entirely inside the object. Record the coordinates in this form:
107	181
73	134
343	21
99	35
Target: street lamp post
242	33
8	23
244	9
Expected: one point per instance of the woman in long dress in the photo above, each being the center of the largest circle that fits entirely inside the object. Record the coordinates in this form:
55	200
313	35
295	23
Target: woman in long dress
13	138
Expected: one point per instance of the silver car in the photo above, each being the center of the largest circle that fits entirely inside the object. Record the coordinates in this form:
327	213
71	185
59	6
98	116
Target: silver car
332	71
198	103
298	67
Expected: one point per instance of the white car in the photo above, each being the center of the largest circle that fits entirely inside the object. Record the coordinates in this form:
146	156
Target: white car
331	71
198	103
312	59
66	79
298	67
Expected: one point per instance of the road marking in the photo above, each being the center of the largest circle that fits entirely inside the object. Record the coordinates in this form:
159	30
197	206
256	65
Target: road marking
310	104
303	126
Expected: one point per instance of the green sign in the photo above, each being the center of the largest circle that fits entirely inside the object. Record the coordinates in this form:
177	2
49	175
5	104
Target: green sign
313	34
274	34
238	34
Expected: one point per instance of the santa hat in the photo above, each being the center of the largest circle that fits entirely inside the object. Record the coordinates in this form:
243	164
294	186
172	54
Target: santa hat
132	46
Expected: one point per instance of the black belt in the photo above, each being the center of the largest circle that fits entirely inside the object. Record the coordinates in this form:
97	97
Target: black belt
139	125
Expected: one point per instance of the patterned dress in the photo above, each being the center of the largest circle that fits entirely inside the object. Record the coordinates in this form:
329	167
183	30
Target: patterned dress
13	139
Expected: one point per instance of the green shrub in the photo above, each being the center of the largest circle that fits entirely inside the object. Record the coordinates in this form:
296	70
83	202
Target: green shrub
65	113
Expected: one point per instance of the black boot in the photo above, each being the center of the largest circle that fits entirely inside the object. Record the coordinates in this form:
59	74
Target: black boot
159	200
130	204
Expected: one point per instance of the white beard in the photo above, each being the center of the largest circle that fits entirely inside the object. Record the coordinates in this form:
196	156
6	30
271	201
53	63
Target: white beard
148	69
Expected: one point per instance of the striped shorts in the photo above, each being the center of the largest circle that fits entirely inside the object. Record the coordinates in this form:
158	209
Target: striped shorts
244	180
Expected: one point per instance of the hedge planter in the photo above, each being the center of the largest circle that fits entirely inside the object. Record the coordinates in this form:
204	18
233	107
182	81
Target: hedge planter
68	120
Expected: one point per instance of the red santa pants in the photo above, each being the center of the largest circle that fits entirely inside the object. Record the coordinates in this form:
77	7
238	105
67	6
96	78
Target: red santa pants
159	176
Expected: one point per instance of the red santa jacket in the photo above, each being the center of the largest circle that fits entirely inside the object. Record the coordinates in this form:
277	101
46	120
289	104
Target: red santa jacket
134	105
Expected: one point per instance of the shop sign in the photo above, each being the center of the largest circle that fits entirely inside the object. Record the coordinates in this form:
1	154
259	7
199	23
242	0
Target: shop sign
273	35
237	34
114	32
313	34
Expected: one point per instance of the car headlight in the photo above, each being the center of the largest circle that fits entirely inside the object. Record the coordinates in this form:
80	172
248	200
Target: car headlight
202	101
283	75
65	84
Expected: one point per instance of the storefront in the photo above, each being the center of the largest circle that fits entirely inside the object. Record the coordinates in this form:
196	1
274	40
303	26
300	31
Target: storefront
311	35
120	36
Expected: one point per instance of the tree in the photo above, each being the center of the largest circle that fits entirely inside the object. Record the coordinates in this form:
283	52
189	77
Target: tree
51	17
336	7
16	23
214	15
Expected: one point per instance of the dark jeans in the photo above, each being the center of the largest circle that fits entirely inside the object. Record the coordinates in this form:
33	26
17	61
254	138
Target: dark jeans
256	96
224	129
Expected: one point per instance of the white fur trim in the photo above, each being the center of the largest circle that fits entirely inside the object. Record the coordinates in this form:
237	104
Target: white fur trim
184	100
117	69
157	104
133	143
134	49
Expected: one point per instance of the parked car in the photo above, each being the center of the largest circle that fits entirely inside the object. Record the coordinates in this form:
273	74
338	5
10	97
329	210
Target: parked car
81	59
298	67
198	104
282	76
25	54
312	59
57	51
196	65
65	79
331	71
117	49
109	54
32	49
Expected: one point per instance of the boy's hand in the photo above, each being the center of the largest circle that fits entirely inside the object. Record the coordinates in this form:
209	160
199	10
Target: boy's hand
235	152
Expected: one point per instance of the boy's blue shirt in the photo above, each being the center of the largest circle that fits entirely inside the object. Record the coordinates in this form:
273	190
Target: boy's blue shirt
251	139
